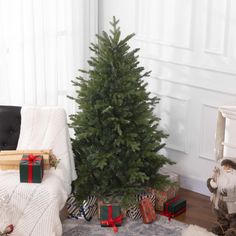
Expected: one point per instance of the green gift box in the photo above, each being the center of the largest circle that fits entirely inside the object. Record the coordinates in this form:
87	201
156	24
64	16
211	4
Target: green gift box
175	205
110	214
31	168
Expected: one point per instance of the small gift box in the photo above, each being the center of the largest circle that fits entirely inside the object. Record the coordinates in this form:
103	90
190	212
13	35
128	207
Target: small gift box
31	169
172	176
147	211
89	208
10	160
133	212
163	196
110	215
100	203
174	207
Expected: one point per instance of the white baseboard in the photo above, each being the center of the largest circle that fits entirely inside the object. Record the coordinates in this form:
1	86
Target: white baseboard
194	185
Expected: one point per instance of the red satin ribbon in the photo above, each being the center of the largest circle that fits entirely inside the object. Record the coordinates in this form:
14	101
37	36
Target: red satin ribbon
31	159
112	222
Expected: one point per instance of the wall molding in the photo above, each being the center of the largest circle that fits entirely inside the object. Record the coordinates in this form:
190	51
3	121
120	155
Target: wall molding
202	134
90	24
206	157
197	67
165	79
184	101
208	51
176	148
195	185
93	19
223	51
144	39
171	96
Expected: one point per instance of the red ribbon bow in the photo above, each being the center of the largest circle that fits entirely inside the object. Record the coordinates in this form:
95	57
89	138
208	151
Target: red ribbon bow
31	159
112	222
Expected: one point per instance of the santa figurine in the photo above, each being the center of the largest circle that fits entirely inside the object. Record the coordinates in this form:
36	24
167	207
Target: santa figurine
223	187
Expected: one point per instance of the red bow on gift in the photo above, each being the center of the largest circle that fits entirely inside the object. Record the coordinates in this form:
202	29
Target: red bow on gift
31	159
112	222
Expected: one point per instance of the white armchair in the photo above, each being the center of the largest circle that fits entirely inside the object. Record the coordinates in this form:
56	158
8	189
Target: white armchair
35	207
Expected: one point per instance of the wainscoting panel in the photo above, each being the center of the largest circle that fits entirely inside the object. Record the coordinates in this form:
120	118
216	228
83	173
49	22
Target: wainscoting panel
201	78
217	26
207	136
175	126
172	22
190	33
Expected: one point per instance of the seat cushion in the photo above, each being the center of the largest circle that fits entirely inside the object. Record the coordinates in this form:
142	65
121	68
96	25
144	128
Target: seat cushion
10	121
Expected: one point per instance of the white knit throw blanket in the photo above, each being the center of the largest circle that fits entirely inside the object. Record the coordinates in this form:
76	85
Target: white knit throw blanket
34	208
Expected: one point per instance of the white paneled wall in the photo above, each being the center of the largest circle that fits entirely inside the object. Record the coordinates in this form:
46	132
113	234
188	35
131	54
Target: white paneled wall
190	47
42	45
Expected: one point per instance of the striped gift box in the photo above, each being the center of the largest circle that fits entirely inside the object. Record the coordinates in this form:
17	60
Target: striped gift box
87	210
134	212
73	208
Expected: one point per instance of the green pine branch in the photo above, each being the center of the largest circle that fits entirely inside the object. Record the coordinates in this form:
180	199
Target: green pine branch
117	136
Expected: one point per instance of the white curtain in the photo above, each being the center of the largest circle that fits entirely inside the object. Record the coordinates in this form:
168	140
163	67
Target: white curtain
42	45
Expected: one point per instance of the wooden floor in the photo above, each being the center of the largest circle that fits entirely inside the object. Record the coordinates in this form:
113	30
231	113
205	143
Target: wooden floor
199	210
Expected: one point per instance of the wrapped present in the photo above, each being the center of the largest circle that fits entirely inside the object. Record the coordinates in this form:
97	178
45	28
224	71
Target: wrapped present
110	215
164	195
102	203
31	169
147	211
86	210
89	208
10	160
172	176
72	207
133	212
174	207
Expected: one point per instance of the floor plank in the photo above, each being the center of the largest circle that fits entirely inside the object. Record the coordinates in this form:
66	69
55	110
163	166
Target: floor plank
199	209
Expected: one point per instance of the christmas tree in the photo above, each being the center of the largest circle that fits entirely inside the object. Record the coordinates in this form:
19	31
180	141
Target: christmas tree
116	140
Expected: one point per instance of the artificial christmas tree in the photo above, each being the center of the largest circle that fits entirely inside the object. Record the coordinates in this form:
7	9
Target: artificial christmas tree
116	140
